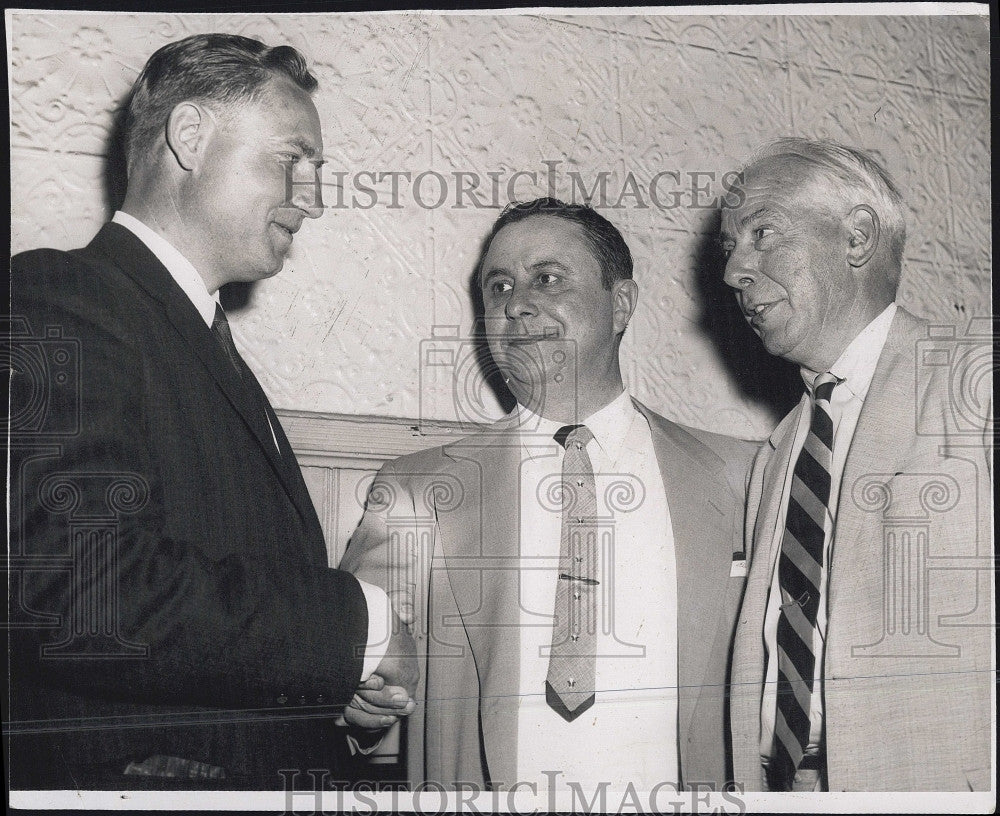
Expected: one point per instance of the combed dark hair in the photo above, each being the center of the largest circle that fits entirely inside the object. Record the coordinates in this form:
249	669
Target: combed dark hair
605	240
222	68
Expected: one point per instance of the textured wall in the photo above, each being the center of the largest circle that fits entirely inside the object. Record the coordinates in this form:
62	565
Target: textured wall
342	328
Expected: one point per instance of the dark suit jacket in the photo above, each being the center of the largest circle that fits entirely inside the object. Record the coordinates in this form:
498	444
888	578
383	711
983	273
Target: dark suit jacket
440	534
170	588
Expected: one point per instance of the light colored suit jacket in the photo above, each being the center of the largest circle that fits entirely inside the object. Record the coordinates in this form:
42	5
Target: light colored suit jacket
907	675
441	531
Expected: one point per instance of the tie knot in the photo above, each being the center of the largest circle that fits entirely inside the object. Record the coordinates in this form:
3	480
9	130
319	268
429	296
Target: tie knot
220	318
568	434
824	385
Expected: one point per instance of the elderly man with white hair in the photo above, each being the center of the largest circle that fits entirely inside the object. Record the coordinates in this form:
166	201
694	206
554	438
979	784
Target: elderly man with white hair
862	659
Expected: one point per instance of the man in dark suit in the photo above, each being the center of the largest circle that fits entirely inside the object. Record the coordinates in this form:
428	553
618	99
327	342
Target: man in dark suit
174	620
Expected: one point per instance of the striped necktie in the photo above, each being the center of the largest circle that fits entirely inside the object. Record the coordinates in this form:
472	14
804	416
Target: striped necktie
571	680
800	569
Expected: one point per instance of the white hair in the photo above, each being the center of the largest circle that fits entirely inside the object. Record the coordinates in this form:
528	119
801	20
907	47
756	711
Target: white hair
852	173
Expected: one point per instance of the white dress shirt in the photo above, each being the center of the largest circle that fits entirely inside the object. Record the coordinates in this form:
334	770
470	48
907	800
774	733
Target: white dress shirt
629	735
855	366
193	285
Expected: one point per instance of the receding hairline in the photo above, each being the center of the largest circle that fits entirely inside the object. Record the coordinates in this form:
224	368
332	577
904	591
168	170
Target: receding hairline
583	234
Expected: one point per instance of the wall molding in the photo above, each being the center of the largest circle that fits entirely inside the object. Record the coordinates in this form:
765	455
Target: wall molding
362	442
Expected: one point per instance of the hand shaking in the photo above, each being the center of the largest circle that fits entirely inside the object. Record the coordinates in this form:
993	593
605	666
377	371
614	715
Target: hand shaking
388	694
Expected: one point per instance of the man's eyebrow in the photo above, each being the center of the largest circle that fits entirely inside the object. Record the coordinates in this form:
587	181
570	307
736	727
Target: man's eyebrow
746	219
547	262
492	273
302	146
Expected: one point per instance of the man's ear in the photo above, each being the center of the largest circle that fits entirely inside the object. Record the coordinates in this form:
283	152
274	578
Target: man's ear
189	127
625	296
864	231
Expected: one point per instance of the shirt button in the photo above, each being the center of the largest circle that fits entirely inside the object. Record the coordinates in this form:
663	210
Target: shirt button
579	482
320	700
576	596
578	446
571	682
578	559
302	700
282	699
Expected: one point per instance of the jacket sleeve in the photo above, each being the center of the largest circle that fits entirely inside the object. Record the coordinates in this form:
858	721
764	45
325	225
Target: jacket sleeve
382	550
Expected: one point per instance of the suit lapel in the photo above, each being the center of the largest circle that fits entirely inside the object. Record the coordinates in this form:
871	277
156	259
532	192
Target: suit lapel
781	440
484	534
135	259
691	479
885	432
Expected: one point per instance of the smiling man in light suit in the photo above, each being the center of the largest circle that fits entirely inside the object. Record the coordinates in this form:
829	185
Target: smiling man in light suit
568	571
863	650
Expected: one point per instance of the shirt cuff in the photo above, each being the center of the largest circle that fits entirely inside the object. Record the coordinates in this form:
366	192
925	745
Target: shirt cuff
378	627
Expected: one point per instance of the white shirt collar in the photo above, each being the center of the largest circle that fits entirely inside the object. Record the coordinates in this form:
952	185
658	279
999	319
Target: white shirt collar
179	267
856	366
609	425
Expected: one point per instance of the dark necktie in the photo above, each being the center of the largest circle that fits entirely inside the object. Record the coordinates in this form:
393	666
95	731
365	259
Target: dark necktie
222	332
800	569
571	680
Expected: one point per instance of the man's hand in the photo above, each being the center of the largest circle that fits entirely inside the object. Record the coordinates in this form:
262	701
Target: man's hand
388	694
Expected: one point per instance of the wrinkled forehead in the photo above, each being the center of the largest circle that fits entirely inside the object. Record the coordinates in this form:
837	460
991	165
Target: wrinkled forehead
775	182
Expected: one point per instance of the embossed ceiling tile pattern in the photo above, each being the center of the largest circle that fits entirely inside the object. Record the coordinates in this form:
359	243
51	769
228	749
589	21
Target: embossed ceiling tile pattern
681	100
530	89
965	127
974	292
457	240
52	199
897	123
961	55
862	111
374	92
885	49
930	290
676	378
352	293
66	79
760	37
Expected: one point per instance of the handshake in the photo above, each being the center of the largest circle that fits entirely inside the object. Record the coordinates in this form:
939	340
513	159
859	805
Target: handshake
388	693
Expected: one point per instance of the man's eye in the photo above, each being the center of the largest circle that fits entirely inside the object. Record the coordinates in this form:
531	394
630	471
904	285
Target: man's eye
547	278
726	248
762	232
499	287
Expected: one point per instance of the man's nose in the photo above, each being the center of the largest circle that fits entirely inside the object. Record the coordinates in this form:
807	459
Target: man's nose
739	274
304	187
309	203
520	304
